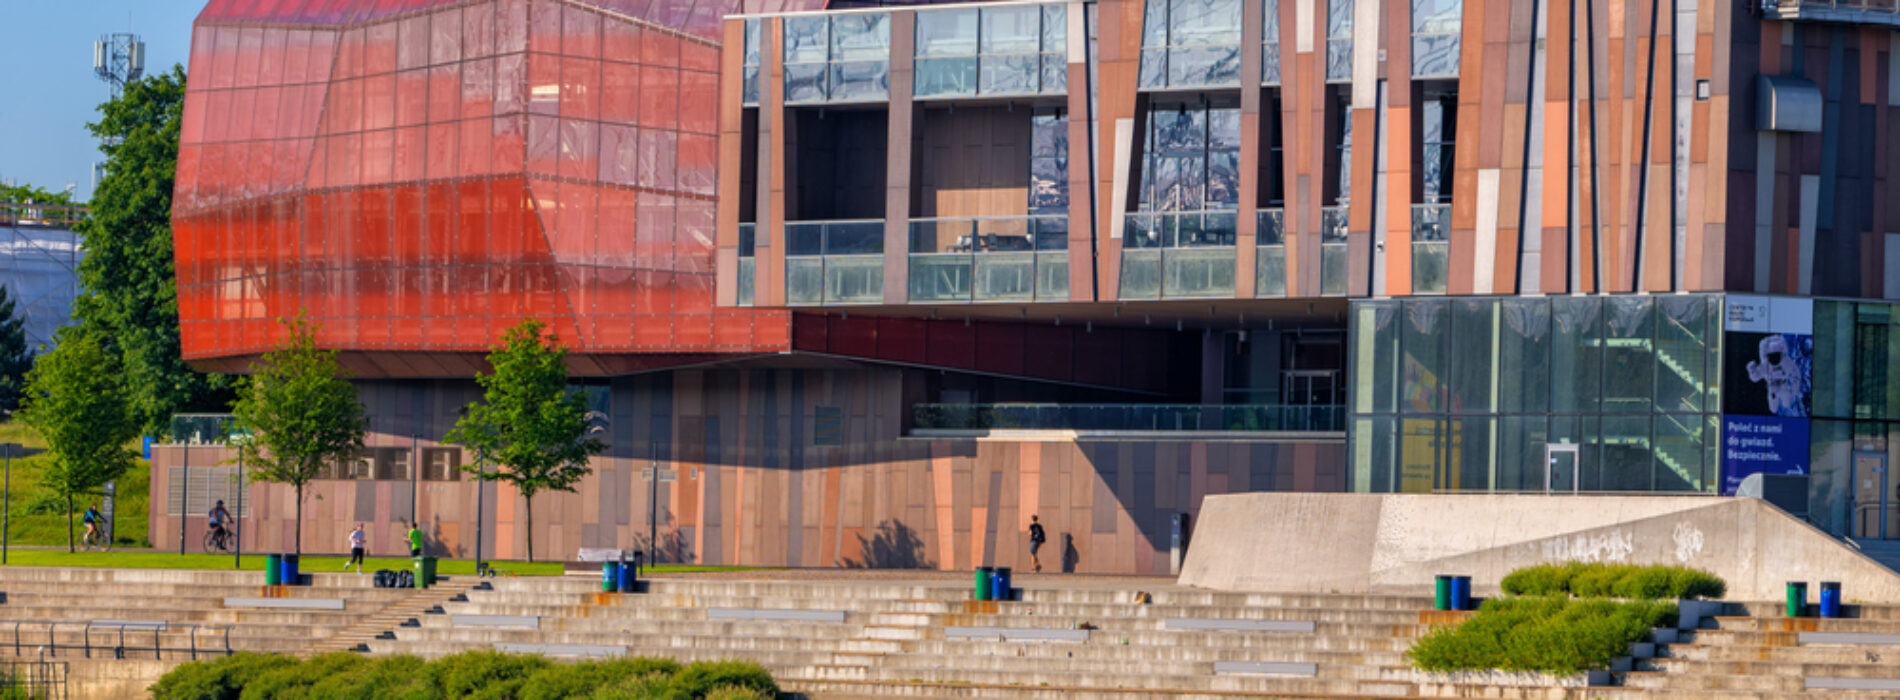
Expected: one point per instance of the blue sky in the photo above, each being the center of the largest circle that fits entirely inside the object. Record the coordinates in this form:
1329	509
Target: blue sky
48	91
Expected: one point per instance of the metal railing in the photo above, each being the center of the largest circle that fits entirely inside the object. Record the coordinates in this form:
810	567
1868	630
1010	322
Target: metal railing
989	258
1880	12
1130	417
38	679
121	638
834	262
202	428
63	216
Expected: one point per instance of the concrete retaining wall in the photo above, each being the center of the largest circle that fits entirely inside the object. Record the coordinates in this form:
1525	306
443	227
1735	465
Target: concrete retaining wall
1357	543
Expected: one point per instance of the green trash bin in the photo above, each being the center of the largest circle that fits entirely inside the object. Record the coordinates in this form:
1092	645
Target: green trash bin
609	576
1797	598
1441	600
425	571
273	569
983	588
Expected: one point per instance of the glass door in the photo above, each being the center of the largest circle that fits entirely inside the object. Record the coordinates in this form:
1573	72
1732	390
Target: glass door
1560	467
1873	507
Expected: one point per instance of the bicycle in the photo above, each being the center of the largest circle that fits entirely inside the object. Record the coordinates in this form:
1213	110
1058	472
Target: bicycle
96	539
217	541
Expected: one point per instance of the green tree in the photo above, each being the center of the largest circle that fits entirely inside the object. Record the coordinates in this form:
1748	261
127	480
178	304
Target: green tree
15	357
76	402
301	412
130	294
530	423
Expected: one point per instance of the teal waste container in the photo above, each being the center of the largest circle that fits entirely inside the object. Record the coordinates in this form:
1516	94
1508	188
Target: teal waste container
273	573
609	576
1797	598
983	583
1441	598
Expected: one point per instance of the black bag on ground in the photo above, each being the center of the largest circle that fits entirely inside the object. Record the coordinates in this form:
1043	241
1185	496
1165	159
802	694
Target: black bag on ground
385	579
405	579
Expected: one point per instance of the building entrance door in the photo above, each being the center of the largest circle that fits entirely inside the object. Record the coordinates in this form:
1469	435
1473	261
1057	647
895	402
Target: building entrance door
1873	505
1560	467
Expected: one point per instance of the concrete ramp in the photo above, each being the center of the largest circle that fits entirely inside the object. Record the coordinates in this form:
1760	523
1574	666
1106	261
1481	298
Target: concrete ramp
1396	543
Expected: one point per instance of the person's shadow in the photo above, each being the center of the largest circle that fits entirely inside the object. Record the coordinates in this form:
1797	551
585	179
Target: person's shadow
1070	557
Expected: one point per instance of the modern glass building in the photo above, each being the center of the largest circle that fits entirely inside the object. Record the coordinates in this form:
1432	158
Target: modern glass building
870	285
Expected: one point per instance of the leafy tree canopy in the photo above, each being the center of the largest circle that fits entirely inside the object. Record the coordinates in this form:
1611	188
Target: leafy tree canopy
530	423
15	357
130	295
76	402
301	412
21	194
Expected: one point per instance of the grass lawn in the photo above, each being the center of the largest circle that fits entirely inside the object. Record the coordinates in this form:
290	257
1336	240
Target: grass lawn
37	517
309	564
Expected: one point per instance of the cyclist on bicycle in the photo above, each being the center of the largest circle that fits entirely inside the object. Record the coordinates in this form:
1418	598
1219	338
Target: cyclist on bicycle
92	519
218	518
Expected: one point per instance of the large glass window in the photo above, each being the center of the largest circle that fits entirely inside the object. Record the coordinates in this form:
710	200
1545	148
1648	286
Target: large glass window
1270	42
837	58
992	51
1180	242
1190	43
1435	29
1339	40
752	61
1485	384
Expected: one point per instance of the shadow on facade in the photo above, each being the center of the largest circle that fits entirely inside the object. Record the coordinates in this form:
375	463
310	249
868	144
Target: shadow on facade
893	545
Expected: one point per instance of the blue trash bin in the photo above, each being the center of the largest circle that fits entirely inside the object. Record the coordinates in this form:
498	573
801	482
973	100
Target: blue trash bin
1830	599
628	574
1461	592
288	571
999	584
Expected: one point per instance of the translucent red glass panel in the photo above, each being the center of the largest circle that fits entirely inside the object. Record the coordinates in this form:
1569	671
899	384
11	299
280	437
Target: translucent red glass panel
420	174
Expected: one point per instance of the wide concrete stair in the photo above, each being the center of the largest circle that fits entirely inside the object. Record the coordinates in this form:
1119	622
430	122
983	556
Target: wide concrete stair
1756	648
928	640
176	615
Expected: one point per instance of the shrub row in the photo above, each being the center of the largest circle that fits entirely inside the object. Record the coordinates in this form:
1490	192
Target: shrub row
1614	581
475	674
1548	634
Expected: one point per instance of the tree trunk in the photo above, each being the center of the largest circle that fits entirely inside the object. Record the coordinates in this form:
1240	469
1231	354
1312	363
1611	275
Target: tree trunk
299	521
69	524
530	499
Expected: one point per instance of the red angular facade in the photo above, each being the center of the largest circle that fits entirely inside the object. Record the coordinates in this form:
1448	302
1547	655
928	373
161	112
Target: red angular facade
418	175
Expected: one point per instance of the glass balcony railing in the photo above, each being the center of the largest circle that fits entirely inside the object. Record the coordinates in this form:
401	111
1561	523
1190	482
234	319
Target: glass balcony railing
973	259
202	428
1178	255
1333	256
1876	12
1431	248
834	262
1130	417
1270	254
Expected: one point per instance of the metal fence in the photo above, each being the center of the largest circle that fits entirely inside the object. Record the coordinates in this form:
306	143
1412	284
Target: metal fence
115	639
39	679
1130	417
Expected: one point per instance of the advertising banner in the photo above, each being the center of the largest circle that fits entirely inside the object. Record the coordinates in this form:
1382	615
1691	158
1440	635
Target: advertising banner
1767	387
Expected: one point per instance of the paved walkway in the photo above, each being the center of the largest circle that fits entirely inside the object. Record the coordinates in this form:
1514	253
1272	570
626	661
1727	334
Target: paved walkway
933	577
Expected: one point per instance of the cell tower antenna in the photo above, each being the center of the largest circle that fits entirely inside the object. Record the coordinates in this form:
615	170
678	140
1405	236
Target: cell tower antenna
118	59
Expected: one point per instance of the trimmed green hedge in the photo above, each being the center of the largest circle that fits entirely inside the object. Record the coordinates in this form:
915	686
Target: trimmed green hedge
1615	581
1549	634
474	674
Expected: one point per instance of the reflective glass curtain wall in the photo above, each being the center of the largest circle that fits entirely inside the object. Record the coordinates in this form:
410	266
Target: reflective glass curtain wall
1464	394
1190	43
1856	422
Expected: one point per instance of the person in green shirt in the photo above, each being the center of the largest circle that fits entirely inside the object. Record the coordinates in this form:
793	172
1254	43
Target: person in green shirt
415	539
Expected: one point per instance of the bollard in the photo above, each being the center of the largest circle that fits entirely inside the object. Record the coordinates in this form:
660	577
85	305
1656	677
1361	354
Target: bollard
1830	599
983	583
1441	599
1461	592
1797	598
273	569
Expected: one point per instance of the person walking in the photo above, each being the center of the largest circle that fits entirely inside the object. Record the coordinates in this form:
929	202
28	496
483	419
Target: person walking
415	539
357	540
1036	538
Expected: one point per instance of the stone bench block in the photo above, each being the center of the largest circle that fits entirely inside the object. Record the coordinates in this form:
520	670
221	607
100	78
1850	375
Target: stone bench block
525	622
561	649
1848	638
284	603
1823	683
775	614
1214	624
1275	668
1016	634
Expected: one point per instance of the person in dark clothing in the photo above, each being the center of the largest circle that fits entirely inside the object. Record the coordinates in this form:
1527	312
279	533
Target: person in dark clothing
1036	538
